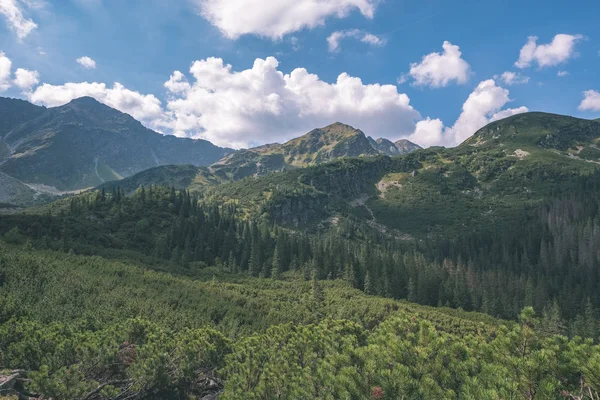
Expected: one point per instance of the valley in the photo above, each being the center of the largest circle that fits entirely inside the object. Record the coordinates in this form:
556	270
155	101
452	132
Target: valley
331	266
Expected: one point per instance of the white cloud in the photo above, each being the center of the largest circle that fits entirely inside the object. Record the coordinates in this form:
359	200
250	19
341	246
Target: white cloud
484	105
556	52
262	104
14	16
440	69
562	74
5	68
240	17
508	113
591	101
481	107
336	37
177	83
428	132
86	62
143	107
512	78
295	43
26	79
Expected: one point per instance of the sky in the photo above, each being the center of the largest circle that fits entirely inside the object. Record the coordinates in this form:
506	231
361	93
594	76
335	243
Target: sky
241	73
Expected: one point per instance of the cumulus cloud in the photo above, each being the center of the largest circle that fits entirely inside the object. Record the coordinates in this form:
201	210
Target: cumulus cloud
508	113
512	78
26	79
484	105
336	37
177	83
14	16
440	69
429	132
143	107
562	74
240	17
5	68
86	62
591	101
262	104
556	52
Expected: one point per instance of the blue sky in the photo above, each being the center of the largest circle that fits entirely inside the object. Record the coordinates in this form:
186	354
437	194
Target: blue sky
431	71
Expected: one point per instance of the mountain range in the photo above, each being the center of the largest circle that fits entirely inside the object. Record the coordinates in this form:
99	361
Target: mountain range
503	168
46	152
259	256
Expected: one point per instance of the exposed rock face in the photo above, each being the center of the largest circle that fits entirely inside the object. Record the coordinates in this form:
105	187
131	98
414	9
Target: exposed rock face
406	146
11	385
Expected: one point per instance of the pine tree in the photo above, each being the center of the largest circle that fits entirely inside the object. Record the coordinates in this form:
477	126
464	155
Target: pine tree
276	268
317	291
349	275
232	264
411	290
552	323
255	264
368	287
590	321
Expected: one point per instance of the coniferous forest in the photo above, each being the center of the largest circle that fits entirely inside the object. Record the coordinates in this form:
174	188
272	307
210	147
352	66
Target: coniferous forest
332	266
164	294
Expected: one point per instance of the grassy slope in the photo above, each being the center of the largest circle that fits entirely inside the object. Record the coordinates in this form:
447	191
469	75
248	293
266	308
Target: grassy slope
505	166
178	176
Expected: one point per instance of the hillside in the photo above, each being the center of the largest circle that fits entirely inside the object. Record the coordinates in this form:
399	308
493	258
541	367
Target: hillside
85	143
179	177
503	167
217	332
406	146
319	146
316	147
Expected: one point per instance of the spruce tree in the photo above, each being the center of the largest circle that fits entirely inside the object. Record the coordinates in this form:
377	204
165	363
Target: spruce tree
276	265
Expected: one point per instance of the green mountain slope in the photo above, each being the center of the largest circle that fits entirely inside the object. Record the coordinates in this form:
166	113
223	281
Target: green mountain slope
14	112
504	166
316	147
242	337
179	177
85	143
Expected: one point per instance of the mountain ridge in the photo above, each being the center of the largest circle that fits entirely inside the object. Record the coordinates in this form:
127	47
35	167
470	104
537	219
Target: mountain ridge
505	166
85	143
318	146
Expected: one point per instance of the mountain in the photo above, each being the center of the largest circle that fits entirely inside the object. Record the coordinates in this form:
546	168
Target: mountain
235	287
85	143
502	168
406	146
387	147
316	147
188	177
14	112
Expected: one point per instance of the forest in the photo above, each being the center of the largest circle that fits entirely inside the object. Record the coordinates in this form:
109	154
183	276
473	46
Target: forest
257	338
213	302
548	263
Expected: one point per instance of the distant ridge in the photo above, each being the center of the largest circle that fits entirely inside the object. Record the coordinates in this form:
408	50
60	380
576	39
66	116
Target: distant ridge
83	144
315	147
